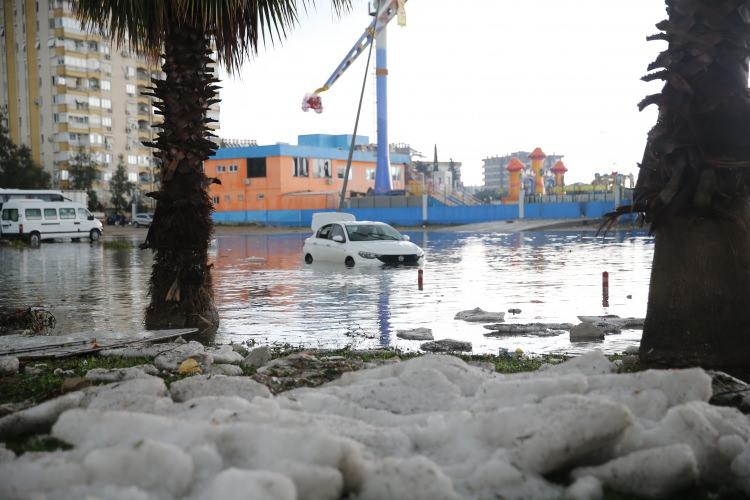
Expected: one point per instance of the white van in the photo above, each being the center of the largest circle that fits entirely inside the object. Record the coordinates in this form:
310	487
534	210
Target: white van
37	220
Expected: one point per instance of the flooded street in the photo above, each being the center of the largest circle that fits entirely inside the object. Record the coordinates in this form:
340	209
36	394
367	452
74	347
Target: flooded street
264	290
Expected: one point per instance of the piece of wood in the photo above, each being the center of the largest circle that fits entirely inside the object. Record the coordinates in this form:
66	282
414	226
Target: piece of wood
91	345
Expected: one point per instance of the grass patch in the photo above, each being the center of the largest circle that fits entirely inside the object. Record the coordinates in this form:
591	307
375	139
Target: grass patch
118	244
31	444
17	244
22	387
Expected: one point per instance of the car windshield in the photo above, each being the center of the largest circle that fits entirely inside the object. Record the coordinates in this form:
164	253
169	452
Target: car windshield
371	232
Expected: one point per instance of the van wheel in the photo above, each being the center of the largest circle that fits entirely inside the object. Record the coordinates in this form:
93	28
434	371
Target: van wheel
35	239
349	262
94	235
308	259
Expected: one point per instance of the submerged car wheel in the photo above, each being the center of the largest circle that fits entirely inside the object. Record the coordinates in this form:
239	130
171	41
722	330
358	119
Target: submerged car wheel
308	259
349	262
94	235
35	239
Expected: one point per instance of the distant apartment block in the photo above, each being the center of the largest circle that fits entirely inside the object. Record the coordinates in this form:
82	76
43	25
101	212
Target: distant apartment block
496	175
65	89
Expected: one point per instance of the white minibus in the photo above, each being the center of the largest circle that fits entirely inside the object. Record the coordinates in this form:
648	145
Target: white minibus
37	220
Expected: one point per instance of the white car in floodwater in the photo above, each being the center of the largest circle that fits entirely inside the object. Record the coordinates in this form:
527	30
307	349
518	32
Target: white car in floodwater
339	238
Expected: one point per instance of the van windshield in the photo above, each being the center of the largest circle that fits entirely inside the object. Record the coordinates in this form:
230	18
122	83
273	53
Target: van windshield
10	214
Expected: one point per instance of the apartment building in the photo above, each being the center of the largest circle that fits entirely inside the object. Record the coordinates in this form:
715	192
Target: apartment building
66	89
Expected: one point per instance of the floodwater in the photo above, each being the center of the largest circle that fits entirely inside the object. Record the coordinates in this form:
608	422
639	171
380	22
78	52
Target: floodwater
265	292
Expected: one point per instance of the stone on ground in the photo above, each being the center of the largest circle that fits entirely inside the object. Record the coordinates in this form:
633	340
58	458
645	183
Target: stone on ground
9	365
586	331
415	334
446	345
257	357
479	315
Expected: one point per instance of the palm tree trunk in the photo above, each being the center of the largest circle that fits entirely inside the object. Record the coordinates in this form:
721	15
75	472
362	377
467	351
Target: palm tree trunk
180	287
694	189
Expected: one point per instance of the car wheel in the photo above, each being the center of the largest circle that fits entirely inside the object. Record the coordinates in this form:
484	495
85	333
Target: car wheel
94	235
308	259
35	239
349	262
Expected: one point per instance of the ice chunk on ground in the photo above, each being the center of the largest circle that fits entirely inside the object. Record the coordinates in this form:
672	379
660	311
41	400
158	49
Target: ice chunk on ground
591	363
225	355
237	484
38	419
217	385
497	478
514	391
480	316
149	465
652	473
416	478
8	365
118	374
172	358
415	334
20	478
257	357
741	469
585	488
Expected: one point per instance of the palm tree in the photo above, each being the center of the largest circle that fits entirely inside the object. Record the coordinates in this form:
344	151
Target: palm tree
183	33
694	188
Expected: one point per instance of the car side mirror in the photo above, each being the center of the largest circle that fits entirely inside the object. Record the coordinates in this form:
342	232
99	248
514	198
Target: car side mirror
405	237
338	238
91	217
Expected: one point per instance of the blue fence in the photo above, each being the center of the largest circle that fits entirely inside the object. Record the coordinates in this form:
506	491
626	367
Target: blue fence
412	216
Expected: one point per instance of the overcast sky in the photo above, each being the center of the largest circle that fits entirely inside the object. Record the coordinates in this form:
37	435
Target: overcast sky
477	77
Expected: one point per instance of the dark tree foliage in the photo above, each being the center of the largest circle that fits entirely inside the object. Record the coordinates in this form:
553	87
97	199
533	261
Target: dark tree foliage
119	187
17	168
84	171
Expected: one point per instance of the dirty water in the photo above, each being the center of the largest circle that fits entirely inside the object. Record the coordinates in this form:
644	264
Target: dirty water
265	292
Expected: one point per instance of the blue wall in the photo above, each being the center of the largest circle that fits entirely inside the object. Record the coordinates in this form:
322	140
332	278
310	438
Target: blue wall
436	214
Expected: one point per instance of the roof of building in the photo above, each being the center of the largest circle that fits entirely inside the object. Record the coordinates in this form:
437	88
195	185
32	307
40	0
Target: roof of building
514	165
310	146
537	154
559	167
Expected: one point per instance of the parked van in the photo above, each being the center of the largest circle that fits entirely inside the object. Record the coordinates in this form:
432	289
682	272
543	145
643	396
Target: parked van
37	220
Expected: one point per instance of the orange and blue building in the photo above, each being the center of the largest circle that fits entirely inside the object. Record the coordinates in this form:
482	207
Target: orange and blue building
285	177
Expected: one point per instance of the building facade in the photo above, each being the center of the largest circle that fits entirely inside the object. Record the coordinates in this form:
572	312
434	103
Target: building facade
65	90
309	175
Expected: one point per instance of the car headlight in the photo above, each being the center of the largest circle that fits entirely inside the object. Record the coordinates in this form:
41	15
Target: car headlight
368	255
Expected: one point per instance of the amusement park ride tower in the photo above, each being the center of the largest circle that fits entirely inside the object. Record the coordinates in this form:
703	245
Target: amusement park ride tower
382	11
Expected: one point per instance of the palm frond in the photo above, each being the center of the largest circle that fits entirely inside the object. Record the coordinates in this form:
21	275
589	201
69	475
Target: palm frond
237	27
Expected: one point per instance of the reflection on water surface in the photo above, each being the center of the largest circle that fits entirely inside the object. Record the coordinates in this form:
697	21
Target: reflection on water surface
264	291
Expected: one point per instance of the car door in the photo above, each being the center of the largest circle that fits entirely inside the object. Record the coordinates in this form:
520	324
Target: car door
50	223
320	244
68	223
337	249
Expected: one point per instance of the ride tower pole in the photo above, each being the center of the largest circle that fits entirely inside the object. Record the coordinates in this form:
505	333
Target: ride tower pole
383	166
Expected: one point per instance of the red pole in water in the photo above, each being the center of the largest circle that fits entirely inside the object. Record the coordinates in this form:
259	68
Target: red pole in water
420	280
605	289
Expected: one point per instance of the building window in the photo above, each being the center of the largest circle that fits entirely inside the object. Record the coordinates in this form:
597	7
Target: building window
370	173
256	167
132	159
232	168
227	197
341	171
106	103
240	197
132	177
106	85
220	169
301	167
106	121
215	200
322	168
396	173
130	88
